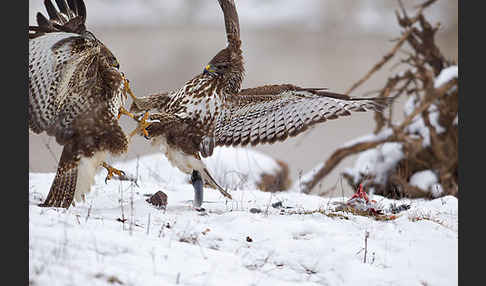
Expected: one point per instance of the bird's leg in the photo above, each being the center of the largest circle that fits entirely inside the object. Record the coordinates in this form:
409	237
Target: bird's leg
112	171
122	111
128	89
142	124
361	194
197	183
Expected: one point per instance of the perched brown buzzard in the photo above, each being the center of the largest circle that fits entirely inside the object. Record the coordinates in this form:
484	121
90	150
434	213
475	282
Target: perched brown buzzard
76	94
211	110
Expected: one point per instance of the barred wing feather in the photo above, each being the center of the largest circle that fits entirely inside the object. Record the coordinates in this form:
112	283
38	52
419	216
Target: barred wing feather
270	115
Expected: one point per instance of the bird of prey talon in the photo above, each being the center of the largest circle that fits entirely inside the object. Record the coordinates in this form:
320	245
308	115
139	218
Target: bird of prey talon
122	111
112	171
129	90
212	110
142	125
76	94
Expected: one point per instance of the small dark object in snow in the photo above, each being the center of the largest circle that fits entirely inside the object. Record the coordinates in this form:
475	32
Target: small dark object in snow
277	205
205	231
201	211
255	211
394	209
249	239
121	220
159	199
167	225
111	279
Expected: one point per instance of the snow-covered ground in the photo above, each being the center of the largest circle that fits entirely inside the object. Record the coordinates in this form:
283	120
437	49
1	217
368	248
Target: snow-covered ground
117	238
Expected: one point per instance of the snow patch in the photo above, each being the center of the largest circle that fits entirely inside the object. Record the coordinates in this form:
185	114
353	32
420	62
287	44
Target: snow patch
417	126
377	162
240	167
423	179
228	244
434	118
427	180
446	75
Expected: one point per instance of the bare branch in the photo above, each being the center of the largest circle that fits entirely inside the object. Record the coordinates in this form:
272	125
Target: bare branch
337	157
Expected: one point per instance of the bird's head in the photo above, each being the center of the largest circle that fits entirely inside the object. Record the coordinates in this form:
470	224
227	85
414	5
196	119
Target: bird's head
219	65
226	67
215	70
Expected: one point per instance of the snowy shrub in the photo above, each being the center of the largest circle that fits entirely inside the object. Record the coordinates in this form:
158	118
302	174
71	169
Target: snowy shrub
417	157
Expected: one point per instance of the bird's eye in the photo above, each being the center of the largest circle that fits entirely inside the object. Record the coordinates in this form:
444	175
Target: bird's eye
208	69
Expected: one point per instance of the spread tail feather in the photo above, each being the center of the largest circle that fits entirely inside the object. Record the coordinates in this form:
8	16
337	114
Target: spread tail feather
63	188
74	178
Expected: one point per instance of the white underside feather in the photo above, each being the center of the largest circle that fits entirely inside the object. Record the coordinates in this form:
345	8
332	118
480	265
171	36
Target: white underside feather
86	174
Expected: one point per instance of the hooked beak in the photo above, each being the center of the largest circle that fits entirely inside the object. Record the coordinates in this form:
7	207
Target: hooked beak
208	70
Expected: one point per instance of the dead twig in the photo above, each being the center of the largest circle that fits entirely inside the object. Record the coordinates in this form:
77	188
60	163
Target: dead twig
367	234
381	63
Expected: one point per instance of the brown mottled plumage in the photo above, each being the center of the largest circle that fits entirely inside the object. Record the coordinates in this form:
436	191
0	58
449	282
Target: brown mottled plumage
211	109
75	94
273	113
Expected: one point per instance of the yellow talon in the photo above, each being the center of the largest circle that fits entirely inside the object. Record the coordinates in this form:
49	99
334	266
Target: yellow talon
122	111
127	89
142	124
112	171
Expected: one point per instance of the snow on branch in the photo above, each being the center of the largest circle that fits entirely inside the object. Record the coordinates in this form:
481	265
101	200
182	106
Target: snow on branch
417	157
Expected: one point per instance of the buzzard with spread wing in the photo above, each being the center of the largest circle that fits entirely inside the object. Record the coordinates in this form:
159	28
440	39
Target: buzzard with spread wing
212	110
76	94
